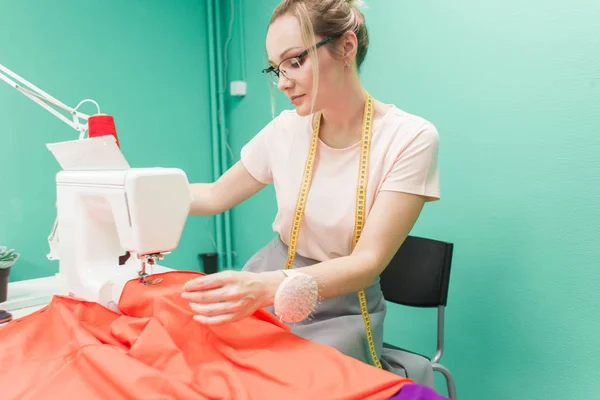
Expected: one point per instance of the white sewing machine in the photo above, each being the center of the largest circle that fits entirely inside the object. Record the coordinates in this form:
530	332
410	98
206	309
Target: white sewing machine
103	214
106	209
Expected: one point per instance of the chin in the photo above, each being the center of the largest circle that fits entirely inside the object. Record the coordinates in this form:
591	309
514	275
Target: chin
303	109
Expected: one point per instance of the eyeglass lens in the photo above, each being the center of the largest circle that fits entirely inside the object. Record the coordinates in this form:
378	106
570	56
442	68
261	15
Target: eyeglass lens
290	68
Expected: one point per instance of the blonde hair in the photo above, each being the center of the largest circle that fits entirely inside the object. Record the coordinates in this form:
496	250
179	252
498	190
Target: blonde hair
326	18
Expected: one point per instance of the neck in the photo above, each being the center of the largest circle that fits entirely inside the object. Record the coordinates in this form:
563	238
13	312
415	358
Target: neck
347	109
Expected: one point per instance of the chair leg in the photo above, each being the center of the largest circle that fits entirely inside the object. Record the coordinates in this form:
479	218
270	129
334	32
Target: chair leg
449	379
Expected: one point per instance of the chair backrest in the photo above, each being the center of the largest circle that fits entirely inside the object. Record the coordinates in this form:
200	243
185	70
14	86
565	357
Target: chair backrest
419	273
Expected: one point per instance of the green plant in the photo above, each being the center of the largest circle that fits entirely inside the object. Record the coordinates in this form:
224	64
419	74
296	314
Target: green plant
7	257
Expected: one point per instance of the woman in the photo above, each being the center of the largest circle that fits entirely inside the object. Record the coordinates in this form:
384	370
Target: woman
315	49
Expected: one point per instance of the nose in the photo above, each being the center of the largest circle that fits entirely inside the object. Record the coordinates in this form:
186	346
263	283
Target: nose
284	83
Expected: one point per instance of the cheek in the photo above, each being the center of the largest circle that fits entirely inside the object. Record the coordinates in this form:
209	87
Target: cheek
334	75
330	81
305	83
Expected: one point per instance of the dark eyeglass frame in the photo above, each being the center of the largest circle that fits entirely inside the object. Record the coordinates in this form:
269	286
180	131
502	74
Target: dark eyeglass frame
299	56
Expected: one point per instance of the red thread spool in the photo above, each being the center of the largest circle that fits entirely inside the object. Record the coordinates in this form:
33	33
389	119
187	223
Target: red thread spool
102	125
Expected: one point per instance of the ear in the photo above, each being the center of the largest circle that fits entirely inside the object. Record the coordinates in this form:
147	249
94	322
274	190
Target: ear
349	43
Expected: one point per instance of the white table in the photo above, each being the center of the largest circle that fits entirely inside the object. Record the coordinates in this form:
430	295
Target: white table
27	296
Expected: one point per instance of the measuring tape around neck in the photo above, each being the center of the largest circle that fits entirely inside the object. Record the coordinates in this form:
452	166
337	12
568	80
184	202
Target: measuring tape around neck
361	198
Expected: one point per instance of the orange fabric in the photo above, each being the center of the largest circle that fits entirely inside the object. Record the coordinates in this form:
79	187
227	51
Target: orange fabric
74	349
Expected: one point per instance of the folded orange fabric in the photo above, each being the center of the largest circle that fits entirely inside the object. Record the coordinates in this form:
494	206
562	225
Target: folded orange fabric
75	349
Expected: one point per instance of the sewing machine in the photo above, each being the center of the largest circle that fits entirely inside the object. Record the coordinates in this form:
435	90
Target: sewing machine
106	210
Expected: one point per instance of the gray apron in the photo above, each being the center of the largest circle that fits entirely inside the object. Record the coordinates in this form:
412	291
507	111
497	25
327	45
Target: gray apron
338	322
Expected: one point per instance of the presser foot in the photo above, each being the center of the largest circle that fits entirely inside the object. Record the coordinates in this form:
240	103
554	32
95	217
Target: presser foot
146	278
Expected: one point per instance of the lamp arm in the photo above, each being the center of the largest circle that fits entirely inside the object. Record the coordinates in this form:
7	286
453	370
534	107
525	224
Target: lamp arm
78	120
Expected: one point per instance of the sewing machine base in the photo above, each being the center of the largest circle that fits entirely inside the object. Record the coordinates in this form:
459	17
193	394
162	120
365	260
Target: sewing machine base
28	296
106	289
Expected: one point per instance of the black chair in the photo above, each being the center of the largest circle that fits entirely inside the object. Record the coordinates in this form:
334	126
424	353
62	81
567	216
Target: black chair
418	276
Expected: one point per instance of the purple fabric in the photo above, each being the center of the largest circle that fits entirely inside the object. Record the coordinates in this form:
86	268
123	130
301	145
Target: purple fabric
417	392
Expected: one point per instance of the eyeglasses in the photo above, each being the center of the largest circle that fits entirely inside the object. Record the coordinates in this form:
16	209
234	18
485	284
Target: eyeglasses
290	67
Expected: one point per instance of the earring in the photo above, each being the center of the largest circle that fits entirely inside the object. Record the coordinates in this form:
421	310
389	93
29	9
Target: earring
347	63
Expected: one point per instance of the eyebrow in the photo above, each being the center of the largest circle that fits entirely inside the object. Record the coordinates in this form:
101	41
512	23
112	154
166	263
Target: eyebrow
284	52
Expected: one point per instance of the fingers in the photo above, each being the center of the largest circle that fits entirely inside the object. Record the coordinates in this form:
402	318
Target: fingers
209	281
202	283
224	293
222	297
219	319
215	309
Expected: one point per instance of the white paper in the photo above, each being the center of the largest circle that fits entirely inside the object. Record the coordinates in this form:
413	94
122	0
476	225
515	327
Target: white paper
89	154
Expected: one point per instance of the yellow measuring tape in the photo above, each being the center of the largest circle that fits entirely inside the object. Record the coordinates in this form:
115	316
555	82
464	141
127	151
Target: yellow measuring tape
361	198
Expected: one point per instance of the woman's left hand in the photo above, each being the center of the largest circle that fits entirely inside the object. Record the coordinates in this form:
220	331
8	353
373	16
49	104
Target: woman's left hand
230	295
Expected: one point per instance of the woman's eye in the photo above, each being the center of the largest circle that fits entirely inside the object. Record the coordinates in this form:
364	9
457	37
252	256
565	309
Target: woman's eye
295	63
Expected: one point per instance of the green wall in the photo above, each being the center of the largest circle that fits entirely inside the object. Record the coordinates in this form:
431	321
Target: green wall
144	62
514	90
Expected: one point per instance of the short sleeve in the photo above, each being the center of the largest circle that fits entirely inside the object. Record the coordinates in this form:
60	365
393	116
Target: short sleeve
416	168
255	155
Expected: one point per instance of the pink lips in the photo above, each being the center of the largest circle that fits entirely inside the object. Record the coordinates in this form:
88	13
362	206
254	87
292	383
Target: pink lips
294	99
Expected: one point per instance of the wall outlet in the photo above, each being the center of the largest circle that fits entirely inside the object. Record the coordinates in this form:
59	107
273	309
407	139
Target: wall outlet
238	88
